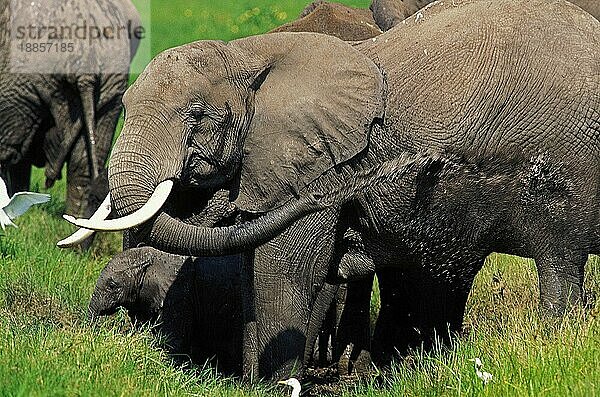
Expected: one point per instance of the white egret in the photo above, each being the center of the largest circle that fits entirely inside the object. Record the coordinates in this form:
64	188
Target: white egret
295	384
484	376
11	208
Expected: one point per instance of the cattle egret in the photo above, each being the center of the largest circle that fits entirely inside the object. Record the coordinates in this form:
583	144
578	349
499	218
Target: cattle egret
294	383
10	208
484	376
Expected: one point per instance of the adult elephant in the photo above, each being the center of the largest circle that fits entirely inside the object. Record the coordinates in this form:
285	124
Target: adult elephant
438	142
62	107
347	23
345	337
389	13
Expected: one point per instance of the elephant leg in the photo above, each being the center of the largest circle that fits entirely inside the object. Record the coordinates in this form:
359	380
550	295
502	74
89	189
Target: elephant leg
78	179
250	331
561	281
391	329
353	337
326	339
322	325
289	272
218	320
281	316
106	125
416	309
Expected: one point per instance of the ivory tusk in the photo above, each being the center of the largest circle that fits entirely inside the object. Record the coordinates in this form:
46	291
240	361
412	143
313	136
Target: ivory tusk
80	235
148	210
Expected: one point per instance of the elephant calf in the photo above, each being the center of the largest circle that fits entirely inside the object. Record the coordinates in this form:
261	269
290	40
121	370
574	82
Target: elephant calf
196	301
198	306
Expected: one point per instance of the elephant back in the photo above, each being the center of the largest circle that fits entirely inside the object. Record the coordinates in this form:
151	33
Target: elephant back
346	23
482	71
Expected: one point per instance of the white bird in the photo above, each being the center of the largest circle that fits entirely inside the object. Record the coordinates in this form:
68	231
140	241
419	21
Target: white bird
10	208
484	376
294	383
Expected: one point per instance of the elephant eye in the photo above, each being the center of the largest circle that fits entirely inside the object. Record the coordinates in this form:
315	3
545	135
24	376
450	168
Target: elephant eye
195	114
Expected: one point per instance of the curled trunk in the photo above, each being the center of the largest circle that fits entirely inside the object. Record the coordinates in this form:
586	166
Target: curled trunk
172	235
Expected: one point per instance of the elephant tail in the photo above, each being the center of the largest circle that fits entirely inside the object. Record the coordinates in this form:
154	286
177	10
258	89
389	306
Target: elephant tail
86	85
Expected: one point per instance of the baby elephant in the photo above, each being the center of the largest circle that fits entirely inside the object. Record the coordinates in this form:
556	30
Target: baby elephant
196	302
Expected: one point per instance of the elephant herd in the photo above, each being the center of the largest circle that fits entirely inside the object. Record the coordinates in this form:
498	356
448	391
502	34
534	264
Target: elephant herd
262	183
52	118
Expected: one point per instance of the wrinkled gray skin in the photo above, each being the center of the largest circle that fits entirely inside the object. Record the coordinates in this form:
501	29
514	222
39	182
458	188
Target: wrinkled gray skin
591	6
389	13
196	302
447	159
49	120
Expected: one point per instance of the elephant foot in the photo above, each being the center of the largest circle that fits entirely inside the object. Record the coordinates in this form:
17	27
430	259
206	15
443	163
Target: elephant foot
344	361
355	362
363	365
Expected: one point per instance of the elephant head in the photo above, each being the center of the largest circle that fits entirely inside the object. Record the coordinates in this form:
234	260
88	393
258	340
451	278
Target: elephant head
136	281
119	283
265	116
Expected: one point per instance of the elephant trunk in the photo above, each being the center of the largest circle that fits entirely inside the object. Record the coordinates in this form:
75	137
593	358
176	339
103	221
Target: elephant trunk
136	171
94	308
172	235
135	167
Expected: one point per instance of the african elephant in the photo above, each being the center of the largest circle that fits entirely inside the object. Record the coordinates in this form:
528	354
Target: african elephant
196	302
347	23
389	13
440	141
345	337
66	109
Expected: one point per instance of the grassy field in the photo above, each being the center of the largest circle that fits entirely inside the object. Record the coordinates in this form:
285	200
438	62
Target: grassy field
47	348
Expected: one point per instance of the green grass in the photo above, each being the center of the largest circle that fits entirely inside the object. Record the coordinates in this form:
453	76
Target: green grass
47	348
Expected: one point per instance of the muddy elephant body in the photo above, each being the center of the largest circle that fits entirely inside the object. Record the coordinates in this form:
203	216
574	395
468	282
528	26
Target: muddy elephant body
403	139
64	112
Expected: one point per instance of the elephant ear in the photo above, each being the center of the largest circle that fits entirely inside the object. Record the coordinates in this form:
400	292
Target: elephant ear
314	104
